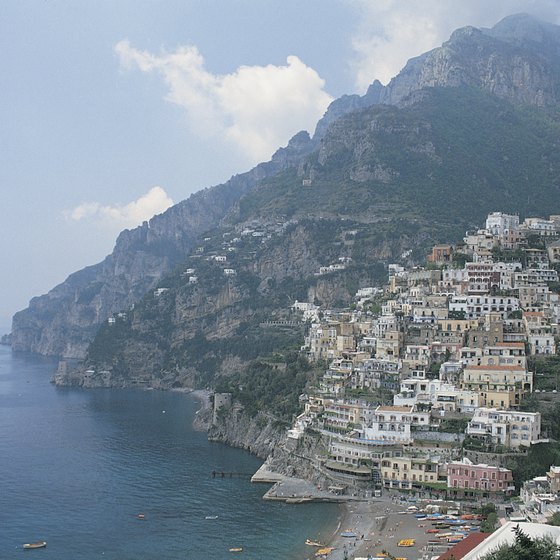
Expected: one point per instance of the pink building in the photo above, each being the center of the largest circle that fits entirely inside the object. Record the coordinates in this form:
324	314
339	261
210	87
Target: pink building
469	478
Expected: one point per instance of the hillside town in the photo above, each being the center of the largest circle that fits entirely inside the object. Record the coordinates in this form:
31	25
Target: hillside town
450	351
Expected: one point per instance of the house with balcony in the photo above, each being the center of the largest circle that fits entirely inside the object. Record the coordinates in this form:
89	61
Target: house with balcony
343	414
512	429
436	394
541	495
498	385
393	423
504	353
405	473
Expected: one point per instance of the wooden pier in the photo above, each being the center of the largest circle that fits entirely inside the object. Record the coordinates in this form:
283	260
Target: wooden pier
230	474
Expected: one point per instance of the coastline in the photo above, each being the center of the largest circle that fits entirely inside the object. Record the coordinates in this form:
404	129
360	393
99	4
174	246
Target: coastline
202	396
364	528
371	524
203	415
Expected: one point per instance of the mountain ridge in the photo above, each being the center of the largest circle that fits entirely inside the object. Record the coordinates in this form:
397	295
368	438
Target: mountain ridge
65	320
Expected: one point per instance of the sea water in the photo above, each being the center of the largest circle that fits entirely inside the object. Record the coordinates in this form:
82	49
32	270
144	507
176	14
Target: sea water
78	467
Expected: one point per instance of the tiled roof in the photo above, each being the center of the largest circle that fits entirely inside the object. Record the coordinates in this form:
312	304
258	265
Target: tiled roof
466	545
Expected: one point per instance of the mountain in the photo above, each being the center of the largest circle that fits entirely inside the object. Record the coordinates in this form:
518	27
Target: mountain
64	321
467	128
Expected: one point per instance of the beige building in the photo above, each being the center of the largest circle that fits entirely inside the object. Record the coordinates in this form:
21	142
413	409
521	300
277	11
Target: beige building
406	472
504	354
342	414
498	385
390	345
553	476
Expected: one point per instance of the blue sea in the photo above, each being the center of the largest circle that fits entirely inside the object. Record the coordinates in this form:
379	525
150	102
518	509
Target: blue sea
77	467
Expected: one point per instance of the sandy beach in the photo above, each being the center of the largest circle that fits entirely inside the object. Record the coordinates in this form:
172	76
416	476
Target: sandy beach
378	526
367	526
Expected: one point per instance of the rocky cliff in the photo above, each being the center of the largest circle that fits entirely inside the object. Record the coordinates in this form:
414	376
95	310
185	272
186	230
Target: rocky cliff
260	434
64	321
194	331
266	437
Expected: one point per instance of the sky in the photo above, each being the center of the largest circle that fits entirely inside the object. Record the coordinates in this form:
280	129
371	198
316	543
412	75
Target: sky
113	110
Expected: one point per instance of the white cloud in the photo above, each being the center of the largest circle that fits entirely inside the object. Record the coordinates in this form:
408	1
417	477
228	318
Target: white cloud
129	215
255	108
392	31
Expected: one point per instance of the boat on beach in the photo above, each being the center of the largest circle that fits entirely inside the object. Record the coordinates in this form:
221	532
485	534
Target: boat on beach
348	534
38	544
313	543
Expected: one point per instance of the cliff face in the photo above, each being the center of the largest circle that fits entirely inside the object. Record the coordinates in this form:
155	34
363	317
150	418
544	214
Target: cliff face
194	331
498	61
264	436
259	435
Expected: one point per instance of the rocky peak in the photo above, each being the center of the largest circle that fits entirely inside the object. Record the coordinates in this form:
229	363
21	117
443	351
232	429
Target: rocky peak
517	59
524	28
493	60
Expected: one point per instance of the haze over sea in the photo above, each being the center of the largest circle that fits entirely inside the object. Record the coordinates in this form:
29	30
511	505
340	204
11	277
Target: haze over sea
78	466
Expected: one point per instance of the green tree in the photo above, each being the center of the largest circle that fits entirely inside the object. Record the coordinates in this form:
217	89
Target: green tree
490	514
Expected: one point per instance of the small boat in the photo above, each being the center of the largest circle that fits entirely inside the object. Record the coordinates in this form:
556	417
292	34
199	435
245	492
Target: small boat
141	516
236	549
313	543
324	551
348	534
39	544
211	517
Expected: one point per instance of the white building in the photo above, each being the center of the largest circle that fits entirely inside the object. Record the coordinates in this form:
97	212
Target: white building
540	226
498	223
506	427
392	423
476	306
436	393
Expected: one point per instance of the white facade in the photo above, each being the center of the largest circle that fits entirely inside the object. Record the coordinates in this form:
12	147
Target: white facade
542	343
540	226
392	424
498	223
478	306
506	427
